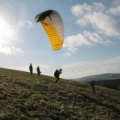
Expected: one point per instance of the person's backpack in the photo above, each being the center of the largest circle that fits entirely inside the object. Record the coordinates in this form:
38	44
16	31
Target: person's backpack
56	73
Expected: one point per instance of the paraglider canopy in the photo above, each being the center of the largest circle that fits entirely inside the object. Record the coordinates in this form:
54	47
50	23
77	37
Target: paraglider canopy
53	25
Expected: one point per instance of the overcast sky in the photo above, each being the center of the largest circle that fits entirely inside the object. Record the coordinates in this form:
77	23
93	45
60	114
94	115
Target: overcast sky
91	43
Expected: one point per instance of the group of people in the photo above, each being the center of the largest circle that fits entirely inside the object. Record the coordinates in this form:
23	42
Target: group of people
56	73
31	70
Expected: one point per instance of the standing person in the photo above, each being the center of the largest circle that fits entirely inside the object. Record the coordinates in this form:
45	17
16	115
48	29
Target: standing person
57	74
31	69
92	83
38	71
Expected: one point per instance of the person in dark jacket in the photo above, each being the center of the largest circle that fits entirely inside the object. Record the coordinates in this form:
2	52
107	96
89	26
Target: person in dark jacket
57	74
31	69
92	83
38	70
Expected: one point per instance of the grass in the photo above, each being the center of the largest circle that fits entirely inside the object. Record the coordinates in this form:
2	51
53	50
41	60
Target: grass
26	97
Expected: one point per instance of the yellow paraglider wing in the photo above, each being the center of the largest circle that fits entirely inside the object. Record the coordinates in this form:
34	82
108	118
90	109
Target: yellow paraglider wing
55	39
53	25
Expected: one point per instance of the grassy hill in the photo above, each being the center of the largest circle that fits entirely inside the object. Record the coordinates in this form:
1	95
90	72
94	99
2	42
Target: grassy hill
26	97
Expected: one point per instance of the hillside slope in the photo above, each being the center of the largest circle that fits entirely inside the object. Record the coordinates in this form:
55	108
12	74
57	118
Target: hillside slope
26	97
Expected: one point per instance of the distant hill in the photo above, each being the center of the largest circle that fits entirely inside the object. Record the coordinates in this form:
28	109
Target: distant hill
110	83
110	80
30	97
99	77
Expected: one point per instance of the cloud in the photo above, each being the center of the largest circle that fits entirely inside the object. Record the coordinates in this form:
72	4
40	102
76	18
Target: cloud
79	9
74	41
68	54
26	24
114	11
8	37
115	2
87	38
82	69
10	50
7	32
96	16
99	20
104	24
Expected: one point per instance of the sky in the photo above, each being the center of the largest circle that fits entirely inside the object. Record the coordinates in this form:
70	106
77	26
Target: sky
91	37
